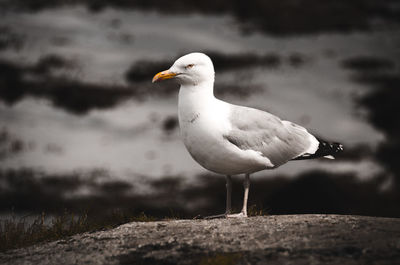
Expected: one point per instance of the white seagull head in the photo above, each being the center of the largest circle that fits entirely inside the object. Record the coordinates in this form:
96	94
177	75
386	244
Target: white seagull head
191	69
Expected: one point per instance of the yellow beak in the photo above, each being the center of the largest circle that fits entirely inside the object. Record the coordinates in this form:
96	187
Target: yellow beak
167	74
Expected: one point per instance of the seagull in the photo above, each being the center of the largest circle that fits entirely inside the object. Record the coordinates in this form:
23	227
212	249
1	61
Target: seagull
230	139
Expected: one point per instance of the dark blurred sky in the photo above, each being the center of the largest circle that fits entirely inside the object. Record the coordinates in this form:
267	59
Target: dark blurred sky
76	92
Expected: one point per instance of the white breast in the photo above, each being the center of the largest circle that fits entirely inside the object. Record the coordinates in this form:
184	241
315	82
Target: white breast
204	120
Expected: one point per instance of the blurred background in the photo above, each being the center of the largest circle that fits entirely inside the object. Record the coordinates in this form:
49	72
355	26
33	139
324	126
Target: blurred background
82	129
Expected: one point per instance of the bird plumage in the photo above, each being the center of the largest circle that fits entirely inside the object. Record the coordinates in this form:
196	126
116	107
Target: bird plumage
231	139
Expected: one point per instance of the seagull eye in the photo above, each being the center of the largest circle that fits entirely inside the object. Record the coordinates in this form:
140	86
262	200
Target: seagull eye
189	66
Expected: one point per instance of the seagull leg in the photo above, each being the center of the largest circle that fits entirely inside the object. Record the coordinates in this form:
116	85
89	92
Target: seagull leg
246	186
228	194
228	200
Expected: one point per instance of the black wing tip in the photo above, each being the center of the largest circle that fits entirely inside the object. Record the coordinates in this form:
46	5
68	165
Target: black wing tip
328	149
340	148
324	149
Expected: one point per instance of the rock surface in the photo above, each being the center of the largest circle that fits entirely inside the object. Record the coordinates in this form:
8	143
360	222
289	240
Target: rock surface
281	239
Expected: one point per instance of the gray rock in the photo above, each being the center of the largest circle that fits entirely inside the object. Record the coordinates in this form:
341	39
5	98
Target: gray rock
280	239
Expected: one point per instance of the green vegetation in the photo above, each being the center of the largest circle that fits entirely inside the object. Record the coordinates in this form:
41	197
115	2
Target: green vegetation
17	232
254	210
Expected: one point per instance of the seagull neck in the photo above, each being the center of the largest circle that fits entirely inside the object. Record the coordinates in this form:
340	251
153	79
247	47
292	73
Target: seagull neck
200	92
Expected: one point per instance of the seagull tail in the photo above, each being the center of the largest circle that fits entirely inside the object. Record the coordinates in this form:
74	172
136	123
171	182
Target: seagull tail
325	149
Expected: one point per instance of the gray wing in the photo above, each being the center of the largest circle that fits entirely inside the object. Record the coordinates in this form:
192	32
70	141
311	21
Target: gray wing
279	141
